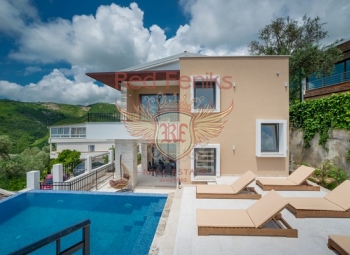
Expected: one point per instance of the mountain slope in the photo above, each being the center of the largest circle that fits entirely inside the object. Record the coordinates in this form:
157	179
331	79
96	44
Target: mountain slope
27	123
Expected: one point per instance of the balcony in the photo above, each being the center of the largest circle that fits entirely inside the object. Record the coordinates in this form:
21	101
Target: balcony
68	132
116	117
328	85
104	117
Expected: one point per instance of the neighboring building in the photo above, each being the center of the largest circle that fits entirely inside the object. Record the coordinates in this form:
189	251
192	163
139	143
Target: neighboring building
73	137
252	136
337	82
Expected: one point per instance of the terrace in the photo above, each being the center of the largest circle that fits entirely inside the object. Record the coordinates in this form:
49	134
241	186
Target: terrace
177	228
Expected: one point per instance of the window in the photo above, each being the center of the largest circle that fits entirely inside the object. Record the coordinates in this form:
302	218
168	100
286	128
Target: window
271	138
205	92
60	132
337	76
205	162
347	70
78	132
157	102
91	148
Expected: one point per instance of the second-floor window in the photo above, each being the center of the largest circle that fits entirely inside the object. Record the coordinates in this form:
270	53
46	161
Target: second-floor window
158	103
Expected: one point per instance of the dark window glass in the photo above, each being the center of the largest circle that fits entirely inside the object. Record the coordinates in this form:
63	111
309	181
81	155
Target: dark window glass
204	94
337	75
347	70
205	162
314	82
269	138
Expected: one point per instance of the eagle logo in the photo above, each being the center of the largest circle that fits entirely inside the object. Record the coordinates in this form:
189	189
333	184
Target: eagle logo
174	125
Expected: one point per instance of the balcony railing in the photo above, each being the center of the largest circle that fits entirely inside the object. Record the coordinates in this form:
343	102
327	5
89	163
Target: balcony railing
328	81
116	117
104	117
83	245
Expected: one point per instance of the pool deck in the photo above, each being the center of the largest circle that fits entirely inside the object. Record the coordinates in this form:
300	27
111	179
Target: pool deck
180	233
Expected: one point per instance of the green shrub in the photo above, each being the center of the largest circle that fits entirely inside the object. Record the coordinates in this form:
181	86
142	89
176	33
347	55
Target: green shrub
138	158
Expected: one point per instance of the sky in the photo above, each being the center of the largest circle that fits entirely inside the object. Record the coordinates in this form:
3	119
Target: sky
47	46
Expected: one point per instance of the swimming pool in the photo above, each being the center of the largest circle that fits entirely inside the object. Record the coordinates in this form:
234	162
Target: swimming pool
121	223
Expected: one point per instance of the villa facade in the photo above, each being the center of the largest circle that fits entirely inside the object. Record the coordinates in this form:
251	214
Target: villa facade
207	116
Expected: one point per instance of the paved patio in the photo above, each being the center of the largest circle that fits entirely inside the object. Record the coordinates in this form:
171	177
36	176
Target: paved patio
179	235
181	229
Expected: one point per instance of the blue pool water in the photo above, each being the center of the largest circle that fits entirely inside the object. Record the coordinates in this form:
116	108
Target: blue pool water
120	223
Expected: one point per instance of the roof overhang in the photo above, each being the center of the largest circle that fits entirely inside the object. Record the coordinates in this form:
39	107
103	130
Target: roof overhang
113	79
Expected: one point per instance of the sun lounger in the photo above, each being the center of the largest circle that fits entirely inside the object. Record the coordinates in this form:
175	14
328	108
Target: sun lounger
339	243
238	189
261	219
336	204
296	181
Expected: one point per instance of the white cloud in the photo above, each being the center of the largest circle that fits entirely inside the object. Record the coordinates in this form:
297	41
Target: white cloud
14	15
56	87
115	38
32	69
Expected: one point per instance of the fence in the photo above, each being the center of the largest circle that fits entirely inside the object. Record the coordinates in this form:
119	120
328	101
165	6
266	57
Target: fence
85	181
328	81
104	117
83	245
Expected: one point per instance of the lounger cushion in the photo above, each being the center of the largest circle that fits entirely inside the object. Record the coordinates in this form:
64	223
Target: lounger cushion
313	203
276	181
265	208
243	181
342	241
215	189
300	174
340	195
224	218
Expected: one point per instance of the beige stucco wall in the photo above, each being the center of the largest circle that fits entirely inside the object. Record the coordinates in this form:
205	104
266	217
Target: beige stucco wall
259	94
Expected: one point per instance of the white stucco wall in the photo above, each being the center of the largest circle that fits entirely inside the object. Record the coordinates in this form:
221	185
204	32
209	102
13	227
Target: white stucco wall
108	130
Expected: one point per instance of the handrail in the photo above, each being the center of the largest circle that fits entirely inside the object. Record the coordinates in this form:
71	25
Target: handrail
84	244
326	81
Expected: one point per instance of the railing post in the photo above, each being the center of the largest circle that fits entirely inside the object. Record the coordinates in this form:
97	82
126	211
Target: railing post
110	156
86	238
57	175
88	164
33	179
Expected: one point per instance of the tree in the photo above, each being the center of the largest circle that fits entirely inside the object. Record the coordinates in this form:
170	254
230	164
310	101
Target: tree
285	36
5	145
67	157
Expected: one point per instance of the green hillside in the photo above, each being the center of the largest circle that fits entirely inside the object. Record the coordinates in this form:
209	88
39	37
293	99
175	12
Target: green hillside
27	123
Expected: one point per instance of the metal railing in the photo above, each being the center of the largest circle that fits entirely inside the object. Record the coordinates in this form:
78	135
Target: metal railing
104	117
68	169
328	81
116	117
85	181
84	244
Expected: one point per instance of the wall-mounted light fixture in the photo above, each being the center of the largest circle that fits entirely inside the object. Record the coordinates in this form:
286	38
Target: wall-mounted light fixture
233	147
234	85
286	84
277	74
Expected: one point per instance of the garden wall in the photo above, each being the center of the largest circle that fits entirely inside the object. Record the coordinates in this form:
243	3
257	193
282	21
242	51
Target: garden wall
337	144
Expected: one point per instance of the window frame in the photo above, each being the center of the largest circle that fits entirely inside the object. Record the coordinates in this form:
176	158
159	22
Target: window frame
216	160
216	85
91	146
282	138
